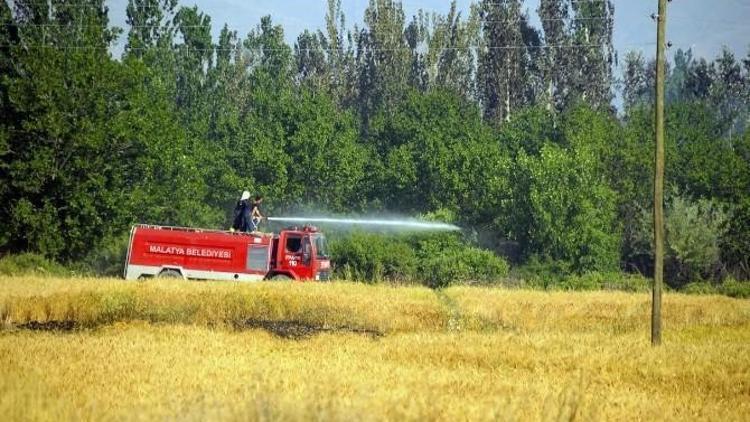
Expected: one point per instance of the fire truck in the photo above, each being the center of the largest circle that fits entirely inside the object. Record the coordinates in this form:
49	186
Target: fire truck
295	253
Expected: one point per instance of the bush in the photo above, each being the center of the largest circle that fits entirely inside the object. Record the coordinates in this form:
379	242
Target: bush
730	287
435	260
543	273
734	288
108	259
373	257
693	233
31	264
605	281
700	288
465	264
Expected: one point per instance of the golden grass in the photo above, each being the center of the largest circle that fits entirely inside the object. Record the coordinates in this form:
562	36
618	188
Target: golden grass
462	354
94	302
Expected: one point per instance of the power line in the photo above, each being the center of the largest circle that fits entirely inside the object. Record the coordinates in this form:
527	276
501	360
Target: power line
177	48
62	25
594	18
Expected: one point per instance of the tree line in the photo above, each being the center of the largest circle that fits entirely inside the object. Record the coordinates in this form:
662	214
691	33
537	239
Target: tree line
508	128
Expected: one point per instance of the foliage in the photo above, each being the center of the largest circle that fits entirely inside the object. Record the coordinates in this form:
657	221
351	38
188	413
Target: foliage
729	287
501	121
605	281
569	211
693	237
109	258
373	257
436	260
445	260
26	264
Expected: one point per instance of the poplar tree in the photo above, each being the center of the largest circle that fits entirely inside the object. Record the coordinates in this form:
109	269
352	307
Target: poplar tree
149	25
635	84
310	60
383	57
556	65
505	79
450	58
592	52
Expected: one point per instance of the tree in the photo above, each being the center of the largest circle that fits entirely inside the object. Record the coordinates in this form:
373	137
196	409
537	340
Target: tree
8	118
341	58
450	61
64	167
505	76
383	58
149	25
564	210
555	65
268	53
592	53
694	229
726	93
438	154
636	85
310	58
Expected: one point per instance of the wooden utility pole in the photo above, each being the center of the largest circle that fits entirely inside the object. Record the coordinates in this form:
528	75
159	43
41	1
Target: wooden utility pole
661	20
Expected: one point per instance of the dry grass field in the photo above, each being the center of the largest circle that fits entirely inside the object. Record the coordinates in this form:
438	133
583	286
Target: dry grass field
114	350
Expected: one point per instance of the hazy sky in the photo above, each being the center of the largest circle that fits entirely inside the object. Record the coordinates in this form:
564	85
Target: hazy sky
704	25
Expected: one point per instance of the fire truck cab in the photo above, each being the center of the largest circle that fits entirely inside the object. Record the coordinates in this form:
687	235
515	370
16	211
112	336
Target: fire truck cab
295	253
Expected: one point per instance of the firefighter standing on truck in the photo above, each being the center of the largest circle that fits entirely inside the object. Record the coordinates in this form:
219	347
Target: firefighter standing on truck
242	214
255	215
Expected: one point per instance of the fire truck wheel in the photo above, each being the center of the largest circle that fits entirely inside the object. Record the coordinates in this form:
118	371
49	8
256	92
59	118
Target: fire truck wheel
170	274
280	277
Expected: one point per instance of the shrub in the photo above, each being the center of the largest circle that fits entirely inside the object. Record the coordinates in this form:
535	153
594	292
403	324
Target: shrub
31	263
729	287
373	257
108	259
628	283
465	264
693	232
436	260
543	273
605	281
734	288
699	288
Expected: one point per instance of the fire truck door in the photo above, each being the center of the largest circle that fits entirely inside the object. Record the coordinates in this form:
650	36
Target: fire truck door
293	250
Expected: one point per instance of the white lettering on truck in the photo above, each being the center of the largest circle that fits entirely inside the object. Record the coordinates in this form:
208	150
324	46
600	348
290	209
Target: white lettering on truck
191	251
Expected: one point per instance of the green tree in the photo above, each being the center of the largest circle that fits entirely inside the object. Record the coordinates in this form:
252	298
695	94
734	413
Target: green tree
506	79
564	210
556	66
149	25
439	154
592	53
694	229
450	53
64	167
383	58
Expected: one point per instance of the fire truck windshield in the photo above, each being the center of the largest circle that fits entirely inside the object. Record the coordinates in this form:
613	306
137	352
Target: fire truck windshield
321	246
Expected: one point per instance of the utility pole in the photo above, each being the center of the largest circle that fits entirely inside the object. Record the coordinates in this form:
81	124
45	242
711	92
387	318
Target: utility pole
661	20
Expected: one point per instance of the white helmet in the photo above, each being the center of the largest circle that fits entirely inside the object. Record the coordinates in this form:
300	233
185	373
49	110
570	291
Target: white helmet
245	195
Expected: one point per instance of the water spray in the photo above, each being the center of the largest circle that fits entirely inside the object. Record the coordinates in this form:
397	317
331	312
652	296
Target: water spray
404	224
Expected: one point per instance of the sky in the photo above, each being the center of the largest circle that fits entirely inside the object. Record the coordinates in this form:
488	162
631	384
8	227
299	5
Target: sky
703	25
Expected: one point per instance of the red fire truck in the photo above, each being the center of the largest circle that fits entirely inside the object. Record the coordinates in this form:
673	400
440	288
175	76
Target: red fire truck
296	253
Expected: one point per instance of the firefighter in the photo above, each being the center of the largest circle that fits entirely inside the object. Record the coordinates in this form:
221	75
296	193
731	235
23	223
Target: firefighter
242	214
255	215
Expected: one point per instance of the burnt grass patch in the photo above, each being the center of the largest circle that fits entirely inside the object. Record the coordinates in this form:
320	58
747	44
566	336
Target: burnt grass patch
66	325
298	330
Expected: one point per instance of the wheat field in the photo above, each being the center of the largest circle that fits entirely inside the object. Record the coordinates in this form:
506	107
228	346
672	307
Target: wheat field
91	349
